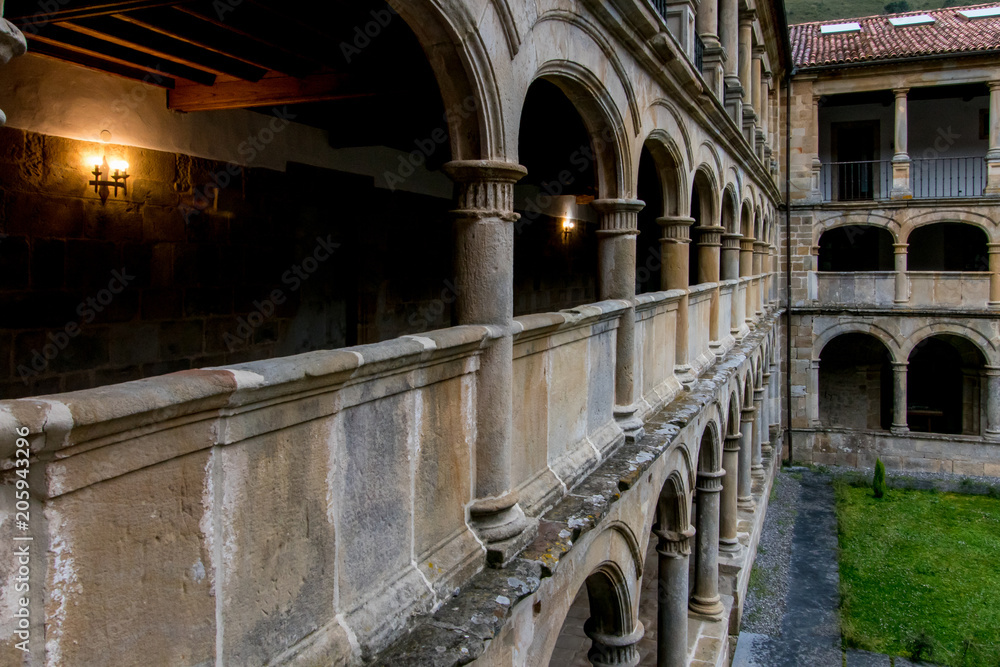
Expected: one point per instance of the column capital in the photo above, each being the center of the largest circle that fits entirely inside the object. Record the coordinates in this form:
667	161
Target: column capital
747	16
673	544
991	371
618	216
993	85
900	92
758	246
900	248
746	243
710	482
613	650
758	395
899	366
993	248
710	235
731	443
758	51
747	414
485	188
676	228
731	241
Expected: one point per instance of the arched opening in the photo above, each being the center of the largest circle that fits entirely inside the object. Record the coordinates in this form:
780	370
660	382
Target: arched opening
601	608
944	381
947	246
703	213
856	248
650	189
855	383
730	269
555	241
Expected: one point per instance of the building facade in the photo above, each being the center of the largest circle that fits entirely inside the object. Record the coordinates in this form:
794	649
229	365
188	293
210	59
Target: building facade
893	223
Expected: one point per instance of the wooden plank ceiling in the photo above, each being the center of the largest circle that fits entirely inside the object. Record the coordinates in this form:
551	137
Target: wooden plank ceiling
208	54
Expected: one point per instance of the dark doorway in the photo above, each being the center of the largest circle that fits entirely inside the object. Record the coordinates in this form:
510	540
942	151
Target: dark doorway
856	248
855	154
943	386
855	383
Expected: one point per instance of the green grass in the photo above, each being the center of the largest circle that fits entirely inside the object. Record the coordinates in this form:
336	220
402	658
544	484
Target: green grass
921	566
802	11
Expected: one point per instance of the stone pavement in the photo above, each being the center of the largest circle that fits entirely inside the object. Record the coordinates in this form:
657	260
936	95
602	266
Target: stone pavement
810	627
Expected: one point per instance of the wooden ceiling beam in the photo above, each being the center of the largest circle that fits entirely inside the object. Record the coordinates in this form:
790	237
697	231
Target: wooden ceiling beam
30	12
57	35
270	91
160	46
213	38
100	64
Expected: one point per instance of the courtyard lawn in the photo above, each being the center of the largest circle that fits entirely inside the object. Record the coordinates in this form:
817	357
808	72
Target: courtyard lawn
920	568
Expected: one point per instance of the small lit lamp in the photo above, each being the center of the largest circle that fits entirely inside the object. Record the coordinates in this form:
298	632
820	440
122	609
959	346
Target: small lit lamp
567	228
117	170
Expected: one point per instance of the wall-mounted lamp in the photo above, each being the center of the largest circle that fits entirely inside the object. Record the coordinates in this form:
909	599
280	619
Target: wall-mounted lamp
117	170
567	228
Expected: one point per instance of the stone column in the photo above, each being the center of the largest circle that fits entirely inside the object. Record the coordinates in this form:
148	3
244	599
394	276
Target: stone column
757	462
744	498
772	252
816	193
616	261
759	247
813	393
674	275
746	72
706	600
901	158
728	513
713	56
672	597
992	376
731	256
765	423
613	650
757	81
993	154
731	271
729	34
993	250
709	246
746	271
484	279
902	296
899	424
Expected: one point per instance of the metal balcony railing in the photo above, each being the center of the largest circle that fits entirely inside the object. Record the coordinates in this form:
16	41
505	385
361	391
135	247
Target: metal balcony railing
948	177
699	53
929	178
856	181
661	8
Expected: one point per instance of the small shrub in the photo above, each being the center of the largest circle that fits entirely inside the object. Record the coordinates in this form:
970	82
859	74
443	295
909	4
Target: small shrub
878	483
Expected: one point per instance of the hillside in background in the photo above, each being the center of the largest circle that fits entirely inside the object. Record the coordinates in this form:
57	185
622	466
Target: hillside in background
803	11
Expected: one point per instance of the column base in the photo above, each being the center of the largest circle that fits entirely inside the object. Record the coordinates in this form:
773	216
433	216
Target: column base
501	525
993	305
685	374
757	470
731	547
711	608
629	423
900	193
899	428
746	503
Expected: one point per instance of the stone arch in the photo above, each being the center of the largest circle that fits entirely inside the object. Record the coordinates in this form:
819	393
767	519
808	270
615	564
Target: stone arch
979	220
856	219
821	338
710	446
601	118
706	185
947	246
459	56
709	155
670	163
746	219
733	418
855	248
677	121
596	35
730	218
985	346
610	573
673	508
854	383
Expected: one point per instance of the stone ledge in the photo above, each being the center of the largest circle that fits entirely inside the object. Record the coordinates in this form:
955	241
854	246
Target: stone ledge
459	631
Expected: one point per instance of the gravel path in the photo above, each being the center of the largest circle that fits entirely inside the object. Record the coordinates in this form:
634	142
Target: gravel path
769	580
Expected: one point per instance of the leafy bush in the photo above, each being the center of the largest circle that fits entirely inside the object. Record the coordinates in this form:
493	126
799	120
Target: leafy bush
878	484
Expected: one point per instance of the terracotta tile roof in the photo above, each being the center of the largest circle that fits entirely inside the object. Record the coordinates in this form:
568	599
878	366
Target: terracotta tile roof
880	40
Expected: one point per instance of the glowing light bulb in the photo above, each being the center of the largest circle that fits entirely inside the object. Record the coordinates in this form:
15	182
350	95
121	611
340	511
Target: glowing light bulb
568	224
119	165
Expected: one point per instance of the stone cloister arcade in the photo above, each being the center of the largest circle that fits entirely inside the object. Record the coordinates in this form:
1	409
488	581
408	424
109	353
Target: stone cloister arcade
439	495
